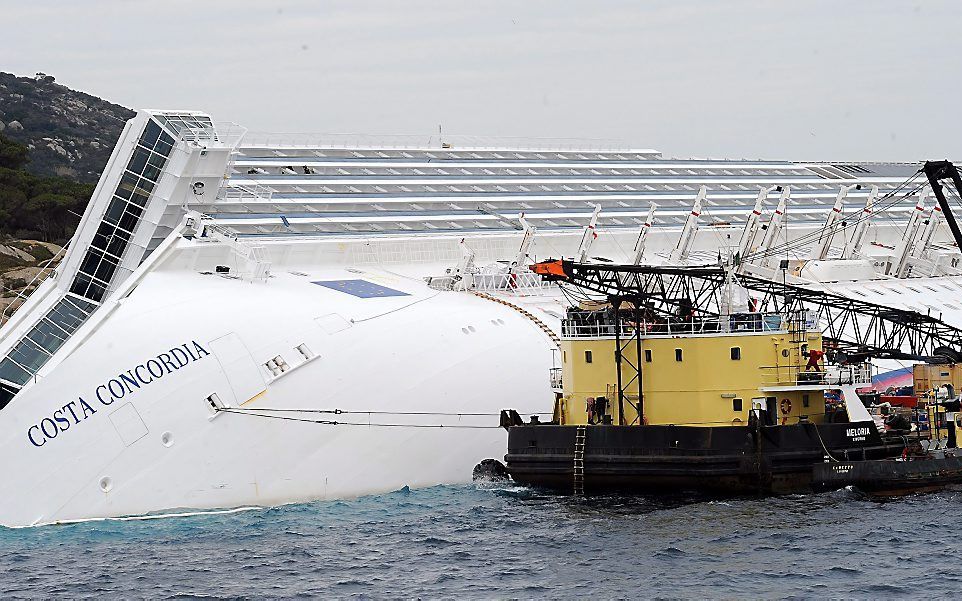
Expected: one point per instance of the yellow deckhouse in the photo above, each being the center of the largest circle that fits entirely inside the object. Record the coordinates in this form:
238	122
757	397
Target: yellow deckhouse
695	379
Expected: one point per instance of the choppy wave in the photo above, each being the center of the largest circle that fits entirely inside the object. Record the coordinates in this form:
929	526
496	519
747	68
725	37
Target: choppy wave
502	540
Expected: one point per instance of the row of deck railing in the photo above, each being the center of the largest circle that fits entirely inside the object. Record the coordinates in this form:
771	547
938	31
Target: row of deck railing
586	325
831	375
450	142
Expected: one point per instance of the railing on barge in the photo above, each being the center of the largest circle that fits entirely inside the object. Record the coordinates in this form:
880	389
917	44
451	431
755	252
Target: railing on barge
597	324
858	375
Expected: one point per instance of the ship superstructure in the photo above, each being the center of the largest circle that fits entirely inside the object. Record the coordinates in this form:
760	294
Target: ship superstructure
246	319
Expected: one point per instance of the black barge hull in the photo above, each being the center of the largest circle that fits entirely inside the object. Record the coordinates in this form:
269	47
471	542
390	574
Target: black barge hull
669	459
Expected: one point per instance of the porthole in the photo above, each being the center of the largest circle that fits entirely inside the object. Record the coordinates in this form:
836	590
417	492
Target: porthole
167	439
106	484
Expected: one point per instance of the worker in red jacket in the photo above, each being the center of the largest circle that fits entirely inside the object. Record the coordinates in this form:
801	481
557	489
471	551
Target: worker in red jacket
814	356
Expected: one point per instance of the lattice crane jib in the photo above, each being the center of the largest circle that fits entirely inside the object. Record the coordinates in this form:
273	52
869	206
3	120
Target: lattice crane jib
697	293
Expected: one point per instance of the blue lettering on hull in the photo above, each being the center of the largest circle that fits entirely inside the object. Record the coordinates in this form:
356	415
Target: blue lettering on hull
124	385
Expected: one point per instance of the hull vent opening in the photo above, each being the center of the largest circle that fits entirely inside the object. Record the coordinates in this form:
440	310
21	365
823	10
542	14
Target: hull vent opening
277	366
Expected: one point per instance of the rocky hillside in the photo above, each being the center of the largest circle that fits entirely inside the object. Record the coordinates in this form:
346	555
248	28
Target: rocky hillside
21	262
69	133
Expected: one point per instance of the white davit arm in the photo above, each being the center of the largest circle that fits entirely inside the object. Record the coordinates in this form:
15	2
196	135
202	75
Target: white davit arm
934	220
643	235
526	241
463	276
687	238
589	235
751	224
823	246
853	247
775	225
907	244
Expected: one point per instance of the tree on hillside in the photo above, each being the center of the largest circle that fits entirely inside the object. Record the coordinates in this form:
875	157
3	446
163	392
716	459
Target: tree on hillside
47	208
12	155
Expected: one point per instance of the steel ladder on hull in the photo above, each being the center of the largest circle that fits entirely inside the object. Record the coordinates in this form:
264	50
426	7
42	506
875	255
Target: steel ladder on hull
579	460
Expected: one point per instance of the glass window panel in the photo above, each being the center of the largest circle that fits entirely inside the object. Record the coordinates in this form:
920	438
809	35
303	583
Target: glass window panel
29	355
96	291
151	172
115	209
151	133
90	262
80	285
156	160
138	161
129	220
139	198
12	372
164	144
126	186
100	242
47	336
106	269
68	315
118	244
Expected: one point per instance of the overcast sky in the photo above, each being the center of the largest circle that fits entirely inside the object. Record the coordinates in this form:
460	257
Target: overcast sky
866	80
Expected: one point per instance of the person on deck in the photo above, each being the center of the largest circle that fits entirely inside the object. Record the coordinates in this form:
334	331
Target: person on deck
601	409
814	356
590	406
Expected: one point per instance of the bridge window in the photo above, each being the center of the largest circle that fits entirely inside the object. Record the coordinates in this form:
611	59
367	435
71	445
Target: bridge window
647	355
737	405
587	356
804	400
736	352
677	354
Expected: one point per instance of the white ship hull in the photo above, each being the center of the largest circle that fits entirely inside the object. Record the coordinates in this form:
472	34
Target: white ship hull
159	447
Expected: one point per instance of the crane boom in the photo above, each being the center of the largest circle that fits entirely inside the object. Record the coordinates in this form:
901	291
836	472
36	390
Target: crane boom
853	326
936	172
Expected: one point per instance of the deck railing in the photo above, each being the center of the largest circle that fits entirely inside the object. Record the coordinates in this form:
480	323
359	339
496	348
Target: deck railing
832	375
598	325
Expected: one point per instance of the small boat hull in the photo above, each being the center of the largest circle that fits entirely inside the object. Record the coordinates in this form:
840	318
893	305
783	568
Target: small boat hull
889	477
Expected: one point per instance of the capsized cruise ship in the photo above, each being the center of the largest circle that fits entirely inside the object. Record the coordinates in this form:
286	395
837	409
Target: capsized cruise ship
244	319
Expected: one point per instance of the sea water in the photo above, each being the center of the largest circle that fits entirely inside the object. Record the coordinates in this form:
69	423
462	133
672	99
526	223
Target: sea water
502	541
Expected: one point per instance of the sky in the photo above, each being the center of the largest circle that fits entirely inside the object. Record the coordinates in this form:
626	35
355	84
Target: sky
801	80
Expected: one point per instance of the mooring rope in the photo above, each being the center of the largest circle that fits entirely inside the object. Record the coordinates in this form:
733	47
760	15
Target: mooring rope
327	422
348	412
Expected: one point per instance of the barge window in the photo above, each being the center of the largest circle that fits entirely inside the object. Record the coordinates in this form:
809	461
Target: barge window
587	356
677	354
647	355
736	405
736	353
